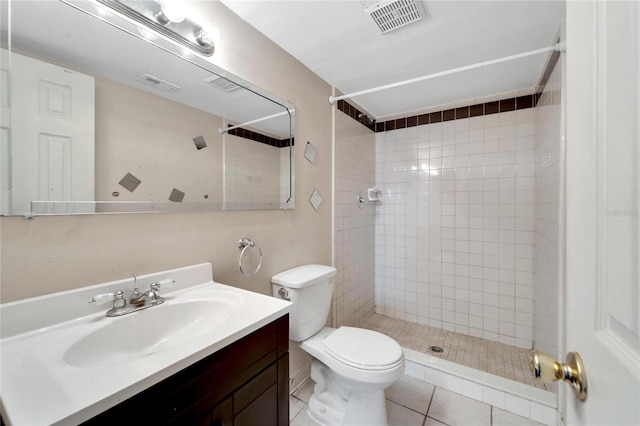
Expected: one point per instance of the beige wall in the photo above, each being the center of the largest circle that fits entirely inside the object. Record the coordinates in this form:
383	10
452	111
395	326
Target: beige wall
50	254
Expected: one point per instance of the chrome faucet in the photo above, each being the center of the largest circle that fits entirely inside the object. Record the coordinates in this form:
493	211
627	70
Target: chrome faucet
137	300
136	297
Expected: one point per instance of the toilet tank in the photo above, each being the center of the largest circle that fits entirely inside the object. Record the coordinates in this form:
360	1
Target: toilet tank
309	287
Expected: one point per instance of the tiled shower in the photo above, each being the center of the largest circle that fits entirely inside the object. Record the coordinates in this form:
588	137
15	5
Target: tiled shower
467	237
454	234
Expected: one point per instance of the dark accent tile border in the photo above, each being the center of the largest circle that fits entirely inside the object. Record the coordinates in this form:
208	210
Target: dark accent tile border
258	137
476	110
491	108
503	105
449	115
462	112
359	116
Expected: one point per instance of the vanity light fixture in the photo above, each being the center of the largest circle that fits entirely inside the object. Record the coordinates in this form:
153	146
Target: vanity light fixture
167	18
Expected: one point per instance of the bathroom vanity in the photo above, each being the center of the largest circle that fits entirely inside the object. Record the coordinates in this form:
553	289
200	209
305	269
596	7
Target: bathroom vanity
211	354
244	382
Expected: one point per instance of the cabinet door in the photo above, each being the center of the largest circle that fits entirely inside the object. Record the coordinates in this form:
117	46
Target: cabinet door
283	390
263	410
222	414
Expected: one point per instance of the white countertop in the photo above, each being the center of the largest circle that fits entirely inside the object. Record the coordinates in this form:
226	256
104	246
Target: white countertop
39	386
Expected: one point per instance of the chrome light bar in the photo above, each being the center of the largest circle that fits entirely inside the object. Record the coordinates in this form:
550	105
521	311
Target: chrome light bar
159	17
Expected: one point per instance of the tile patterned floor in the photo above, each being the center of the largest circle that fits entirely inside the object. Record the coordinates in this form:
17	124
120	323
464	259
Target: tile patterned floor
496	358
411	402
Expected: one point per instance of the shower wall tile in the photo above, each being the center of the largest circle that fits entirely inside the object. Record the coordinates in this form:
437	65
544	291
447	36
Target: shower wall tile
252	172
454	233
354	293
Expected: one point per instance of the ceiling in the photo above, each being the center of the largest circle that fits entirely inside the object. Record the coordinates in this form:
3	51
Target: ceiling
341	44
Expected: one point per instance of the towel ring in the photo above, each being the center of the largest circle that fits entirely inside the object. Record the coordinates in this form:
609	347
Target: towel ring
244	244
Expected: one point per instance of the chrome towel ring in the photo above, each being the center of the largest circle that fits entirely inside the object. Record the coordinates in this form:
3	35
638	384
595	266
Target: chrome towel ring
244	244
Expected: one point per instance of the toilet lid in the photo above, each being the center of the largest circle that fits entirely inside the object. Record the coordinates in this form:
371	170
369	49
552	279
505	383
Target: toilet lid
362	348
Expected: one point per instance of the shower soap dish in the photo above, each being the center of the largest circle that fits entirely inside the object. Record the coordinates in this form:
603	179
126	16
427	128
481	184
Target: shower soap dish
373	194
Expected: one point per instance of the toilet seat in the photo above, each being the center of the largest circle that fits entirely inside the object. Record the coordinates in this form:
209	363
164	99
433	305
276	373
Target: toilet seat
350	371
363	349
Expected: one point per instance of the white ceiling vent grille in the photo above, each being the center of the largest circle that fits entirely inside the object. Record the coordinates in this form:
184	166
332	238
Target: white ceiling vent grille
158	83
221	83
389	15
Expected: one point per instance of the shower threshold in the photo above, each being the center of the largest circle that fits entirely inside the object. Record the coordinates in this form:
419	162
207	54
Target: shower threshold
495	358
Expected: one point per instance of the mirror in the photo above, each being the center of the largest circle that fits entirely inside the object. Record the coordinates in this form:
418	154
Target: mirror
109	117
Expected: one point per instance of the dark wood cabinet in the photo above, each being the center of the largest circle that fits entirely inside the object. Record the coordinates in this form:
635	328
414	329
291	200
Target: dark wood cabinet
244	384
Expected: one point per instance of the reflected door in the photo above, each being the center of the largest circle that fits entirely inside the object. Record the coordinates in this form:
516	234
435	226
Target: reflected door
52	129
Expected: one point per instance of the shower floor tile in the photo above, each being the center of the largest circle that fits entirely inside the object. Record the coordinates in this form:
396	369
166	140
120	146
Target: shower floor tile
496	358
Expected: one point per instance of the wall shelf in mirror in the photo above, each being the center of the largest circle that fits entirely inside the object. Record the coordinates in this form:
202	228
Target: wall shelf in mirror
148	140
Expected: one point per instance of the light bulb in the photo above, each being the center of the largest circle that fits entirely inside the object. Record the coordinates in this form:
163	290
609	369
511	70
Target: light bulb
170	11
204	38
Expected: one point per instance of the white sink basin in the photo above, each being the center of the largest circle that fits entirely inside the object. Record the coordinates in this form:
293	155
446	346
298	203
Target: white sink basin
70	360
151	330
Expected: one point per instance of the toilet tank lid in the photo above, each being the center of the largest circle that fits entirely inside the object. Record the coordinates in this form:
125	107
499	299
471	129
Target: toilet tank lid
304	276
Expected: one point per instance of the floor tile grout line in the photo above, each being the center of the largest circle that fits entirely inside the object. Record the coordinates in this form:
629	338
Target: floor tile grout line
404	406
430	401
491	407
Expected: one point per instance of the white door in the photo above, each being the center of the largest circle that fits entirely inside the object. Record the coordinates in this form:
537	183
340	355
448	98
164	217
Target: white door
603	208
52	135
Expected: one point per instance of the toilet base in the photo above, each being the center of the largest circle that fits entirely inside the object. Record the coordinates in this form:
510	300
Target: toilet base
332	404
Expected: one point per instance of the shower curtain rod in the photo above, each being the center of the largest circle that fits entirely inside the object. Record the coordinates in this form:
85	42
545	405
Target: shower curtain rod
257	120
559	47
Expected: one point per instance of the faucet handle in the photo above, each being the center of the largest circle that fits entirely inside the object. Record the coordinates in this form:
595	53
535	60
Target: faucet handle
162	283
99	299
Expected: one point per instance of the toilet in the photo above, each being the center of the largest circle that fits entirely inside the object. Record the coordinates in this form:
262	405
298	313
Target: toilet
350	366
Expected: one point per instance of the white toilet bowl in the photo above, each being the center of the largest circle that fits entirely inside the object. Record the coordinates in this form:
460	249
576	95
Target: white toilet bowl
352	367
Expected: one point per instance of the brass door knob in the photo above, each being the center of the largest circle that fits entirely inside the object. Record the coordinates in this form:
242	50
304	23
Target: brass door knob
546	370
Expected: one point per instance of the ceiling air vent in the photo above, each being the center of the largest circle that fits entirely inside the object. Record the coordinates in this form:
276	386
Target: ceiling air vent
221	83
389	15
158	83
